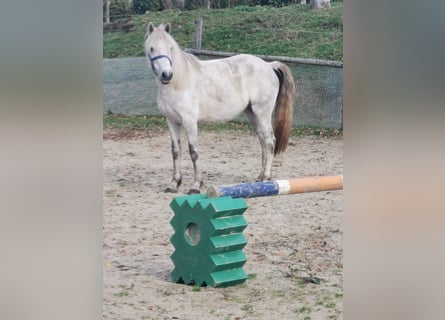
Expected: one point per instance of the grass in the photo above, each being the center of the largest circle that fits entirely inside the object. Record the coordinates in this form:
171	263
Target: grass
113	121
295	31
304	309
196	288
110	193
251	276
156	123
122	294
248	308
278	293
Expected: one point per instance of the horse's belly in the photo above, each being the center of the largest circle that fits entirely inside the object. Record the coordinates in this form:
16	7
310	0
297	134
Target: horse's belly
217	110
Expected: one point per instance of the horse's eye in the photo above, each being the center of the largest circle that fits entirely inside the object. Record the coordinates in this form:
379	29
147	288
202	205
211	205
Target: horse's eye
152	49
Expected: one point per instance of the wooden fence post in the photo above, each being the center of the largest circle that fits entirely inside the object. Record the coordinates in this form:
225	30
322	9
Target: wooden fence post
198	33
107	11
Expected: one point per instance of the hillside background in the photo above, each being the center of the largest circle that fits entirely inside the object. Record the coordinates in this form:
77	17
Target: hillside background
294	30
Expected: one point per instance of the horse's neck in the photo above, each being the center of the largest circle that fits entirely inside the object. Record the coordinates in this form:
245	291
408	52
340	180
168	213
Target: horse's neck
182	67
183	73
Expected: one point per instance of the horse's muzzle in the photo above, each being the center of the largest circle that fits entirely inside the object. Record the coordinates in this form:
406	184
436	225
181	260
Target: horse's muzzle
166	76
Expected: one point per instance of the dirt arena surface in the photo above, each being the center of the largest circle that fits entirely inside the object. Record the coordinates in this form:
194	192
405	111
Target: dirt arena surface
294	251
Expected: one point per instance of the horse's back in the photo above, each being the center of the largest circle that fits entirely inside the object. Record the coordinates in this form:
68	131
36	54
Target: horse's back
245	65
248	74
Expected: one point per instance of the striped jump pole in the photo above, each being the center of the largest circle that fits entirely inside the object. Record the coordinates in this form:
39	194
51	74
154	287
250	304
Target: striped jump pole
277	187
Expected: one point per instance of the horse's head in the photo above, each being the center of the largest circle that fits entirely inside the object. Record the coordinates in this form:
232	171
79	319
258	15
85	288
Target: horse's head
159	50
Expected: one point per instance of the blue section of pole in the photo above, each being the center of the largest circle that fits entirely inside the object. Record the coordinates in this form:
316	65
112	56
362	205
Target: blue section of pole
250	189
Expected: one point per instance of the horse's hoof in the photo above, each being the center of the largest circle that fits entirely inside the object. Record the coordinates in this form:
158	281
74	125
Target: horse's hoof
194	191
263	178
171	190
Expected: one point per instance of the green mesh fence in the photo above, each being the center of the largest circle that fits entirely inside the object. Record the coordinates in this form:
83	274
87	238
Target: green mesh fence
130	88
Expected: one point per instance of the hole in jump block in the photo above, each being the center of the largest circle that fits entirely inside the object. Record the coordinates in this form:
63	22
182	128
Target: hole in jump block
192	234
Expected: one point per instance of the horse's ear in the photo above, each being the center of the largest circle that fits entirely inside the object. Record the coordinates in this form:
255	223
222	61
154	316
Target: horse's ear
168	28
150	28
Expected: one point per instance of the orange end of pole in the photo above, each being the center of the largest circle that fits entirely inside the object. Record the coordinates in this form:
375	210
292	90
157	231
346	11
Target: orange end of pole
314	184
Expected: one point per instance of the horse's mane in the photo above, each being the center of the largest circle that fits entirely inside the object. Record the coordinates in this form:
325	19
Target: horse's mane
192	59
182	70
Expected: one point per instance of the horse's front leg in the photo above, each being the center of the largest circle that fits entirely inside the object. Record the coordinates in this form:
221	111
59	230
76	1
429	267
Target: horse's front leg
192	135
175	133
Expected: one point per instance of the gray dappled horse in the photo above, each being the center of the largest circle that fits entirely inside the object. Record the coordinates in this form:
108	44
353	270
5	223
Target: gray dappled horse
218	90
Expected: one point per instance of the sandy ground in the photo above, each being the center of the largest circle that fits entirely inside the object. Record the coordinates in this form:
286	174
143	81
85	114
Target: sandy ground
294	248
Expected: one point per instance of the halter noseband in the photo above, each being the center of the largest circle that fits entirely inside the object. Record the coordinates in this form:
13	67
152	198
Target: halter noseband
159	57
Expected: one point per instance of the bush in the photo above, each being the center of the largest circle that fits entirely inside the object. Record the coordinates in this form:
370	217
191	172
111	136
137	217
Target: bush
141	6
119	9
192	4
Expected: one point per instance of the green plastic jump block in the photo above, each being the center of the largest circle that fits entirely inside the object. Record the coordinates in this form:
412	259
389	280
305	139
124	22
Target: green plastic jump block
208	240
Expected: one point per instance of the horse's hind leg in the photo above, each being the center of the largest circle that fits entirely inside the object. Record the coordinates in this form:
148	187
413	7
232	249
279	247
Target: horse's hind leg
175	133
192	134
261	122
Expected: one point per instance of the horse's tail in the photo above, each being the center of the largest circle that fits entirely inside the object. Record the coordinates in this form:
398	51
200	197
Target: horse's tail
284	106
